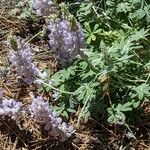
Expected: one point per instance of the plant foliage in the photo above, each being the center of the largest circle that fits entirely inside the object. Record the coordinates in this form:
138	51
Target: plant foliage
111	76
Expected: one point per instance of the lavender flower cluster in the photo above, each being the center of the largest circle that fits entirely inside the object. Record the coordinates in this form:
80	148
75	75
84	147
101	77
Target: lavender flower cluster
10	108
22	61
42	7
65	40
41	111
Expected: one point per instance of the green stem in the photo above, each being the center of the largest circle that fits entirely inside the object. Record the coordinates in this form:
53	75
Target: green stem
61	91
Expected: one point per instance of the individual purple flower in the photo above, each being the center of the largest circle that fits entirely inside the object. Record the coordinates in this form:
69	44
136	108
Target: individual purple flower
42	7
65	40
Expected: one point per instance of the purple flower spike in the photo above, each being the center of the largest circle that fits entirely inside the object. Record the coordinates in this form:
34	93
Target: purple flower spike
64	40
22	61
41	111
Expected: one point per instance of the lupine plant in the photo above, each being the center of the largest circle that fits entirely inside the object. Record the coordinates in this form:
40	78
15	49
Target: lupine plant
113	78
110	77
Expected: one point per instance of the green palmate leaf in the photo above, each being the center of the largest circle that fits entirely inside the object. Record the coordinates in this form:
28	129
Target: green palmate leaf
91	33
116	114
83	65
127	47
142	90
140	13
123	7
63	75
141	34
125	58
88	74
85	11
124	107
85	92
116	117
